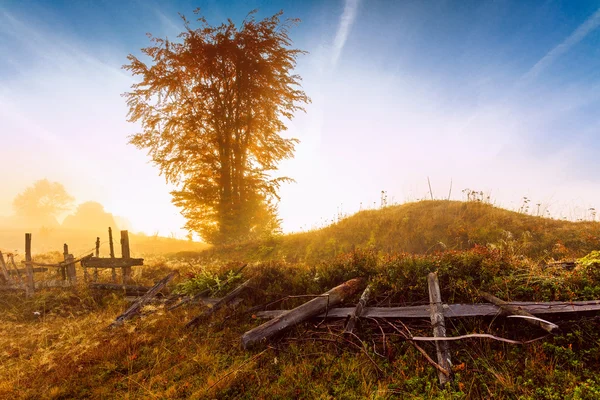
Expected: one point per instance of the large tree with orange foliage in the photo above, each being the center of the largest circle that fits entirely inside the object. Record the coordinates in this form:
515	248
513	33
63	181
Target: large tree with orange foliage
212	107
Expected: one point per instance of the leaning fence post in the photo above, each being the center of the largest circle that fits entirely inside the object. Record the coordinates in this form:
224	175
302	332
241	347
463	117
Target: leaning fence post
436	312
5	272
357	312
30	286
126	254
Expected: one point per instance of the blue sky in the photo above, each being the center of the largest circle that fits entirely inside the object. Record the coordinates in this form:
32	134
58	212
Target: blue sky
498	96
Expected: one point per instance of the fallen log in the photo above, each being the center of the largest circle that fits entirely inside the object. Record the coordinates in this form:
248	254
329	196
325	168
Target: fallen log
219	304
358	311
137	306
515	310
301	313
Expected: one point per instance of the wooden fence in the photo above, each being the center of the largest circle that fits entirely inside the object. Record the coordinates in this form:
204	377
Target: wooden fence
24	278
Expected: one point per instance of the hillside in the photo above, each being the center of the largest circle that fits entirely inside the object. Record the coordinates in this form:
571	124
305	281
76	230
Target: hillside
425	227
57	345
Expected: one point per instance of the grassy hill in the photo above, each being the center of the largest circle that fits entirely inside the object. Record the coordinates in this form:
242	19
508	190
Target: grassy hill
426	227
56	344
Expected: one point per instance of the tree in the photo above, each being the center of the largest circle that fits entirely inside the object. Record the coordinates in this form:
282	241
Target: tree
90	216
212	108
44	199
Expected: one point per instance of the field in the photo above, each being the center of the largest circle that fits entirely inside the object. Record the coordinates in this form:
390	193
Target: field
57	344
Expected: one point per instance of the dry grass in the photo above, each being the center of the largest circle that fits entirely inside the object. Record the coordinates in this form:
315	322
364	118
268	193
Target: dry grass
67	352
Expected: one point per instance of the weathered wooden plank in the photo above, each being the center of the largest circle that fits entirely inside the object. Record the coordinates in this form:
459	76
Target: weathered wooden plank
357	313
94	262
452	310
218	305
137	306
299	314
436	311
508	308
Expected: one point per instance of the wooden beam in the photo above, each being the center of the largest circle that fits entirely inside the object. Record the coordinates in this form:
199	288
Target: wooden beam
218	305
515	310
30	286
302	313
358	311
94	262
137	306
452	310
436	311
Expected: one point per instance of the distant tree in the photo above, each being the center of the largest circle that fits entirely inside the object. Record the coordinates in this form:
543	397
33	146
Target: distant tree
90	216
212	108
44	199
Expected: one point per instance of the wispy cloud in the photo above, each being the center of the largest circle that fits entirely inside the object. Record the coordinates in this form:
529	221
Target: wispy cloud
346	21
588	26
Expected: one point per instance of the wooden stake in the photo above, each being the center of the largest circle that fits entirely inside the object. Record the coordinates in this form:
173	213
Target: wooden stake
357	313
125	254
110	243
97	255
515	310
301	313
70	267
436	310
30	286
97	247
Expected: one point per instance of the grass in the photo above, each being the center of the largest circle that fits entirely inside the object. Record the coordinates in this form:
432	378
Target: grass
67	352
421	228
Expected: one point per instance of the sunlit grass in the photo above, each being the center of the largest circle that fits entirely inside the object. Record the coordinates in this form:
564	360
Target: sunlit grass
67	351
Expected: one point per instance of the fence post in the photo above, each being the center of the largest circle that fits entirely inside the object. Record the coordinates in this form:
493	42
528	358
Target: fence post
126	254
30	286
110	243
436	312
71	270
5	270
97	255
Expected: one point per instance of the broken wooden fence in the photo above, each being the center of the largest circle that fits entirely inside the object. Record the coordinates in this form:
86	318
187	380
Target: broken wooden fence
124	263
436	311
14	278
